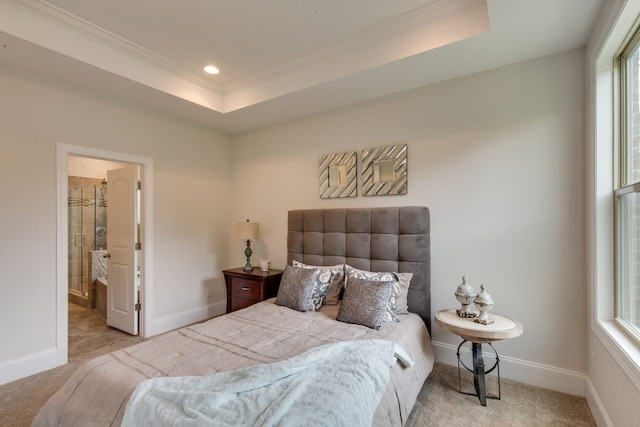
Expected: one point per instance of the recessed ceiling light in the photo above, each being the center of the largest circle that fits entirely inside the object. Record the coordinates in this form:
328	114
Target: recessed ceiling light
211	69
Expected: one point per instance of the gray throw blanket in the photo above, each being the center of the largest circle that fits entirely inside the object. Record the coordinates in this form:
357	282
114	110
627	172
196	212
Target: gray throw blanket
337	384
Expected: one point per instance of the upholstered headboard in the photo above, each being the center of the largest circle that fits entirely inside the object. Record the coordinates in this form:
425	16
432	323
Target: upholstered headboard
374	239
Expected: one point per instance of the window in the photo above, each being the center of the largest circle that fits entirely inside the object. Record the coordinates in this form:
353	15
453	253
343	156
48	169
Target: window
627	191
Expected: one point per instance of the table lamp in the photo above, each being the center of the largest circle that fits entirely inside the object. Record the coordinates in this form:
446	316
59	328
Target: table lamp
247	231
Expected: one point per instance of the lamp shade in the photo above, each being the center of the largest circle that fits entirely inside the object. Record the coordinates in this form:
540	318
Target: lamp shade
247	230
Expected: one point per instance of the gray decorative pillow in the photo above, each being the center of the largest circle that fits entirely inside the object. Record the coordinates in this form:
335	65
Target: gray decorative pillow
296	288
329	283
401	281
365	302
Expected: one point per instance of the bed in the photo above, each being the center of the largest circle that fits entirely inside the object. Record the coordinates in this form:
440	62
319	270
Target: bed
370	241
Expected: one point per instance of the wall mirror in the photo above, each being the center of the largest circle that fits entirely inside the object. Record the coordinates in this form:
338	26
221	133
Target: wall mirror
338	175
384	170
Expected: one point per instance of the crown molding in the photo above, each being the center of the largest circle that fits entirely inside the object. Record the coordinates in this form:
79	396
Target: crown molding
49	12
399	28
433	25
46	25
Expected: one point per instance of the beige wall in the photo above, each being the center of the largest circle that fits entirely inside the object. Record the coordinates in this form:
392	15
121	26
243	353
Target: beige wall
498	158
191	176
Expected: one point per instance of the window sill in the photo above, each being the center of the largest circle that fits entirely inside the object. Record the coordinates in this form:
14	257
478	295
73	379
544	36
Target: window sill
622	347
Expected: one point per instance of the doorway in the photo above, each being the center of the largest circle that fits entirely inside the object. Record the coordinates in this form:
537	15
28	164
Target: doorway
67	155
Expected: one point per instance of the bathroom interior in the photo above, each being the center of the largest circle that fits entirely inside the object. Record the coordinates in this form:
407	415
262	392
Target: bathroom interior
87	224
87	238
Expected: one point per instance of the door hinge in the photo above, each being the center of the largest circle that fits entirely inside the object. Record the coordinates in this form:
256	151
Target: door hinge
139	185
138	306
138	246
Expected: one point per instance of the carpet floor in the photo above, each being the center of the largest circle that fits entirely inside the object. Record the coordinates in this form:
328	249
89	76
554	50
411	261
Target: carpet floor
439	402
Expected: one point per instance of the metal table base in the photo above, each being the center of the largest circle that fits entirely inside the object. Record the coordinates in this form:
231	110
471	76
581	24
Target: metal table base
479	372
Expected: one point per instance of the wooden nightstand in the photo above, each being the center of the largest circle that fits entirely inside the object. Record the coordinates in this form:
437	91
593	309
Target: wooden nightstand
245	288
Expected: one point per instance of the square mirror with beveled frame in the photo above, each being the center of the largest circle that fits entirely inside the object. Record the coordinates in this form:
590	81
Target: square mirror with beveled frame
384	170
337	174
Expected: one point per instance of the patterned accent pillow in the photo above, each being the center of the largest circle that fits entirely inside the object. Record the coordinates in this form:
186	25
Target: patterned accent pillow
329	283
296	288
401	281
365	302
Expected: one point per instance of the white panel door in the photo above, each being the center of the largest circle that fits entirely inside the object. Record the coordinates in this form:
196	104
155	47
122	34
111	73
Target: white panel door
121	237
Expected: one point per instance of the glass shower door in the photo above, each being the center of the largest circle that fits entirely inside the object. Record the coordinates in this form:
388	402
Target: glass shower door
87	229
77	240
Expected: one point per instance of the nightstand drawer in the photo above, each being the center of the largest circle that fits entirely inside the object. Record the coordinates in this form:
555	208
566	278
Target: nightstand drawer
249	289
240	303
245	288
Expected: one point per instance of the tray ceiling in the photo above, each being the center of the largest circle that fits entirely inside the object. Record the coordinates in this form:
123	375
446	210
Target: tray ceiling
279	59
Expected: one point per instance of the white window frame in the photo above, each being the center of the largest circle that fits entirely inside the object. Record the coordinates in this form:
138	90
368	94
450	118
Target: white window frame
612	29
623	187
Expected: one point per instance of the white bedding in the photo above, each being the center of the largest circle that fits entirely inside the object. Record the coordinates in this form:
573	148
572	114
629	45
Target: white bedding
337	384
98	392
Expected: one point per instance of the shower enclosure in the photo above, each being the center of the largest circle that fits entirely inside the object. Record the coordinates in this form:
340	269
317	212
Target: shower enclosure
87	232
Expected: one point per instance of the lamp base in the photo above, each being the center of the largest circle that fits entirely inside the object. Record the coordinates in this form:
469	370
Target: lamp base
247	253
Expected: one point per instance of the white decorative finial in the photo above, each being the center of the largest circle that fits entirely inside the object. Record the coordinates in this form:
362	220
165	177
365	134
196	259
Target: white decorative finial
484	303
465	295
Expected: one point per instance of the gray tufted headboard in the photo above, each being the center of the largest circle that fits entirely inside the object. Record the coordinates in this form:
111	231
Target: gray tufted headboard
374	239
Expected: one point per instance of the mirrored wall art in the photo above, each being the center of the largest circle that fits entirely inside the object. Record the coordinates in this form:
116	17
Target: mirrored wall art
384	170
338	175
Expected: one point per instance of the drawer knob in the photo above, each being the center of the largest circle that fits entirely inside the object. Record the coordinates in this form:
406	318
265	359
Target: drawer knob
246	288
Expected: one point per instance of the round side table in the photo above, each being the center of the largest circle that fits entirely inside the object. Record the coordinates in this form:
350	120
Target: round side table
478	334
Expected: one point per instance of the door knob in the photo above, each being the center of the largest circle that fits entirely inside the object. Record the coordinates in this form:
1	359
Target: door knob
106	255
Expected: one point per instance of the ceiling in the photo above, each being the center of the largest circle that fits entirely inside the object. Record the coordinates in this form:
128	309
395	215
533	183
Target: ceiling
279	59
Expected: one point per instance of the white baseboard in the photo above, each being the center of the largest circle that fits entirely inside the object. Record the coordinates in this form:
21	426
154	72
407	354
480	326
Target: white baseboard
596	406
16	369
189	317
523	371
